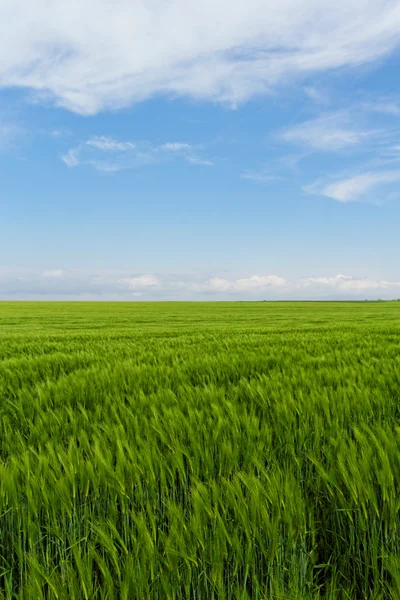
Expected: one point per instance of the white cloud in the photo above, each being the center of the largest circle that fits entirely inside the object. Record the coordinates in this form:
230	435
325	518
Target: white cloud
109	145
110	155
345	283
71	158
53	273
316	95
195	160
387	107
259	176
329	132
215	284
90	55
394	149
56	133
253	284
257	282
356	132
141	282
70	284
175	146
355	188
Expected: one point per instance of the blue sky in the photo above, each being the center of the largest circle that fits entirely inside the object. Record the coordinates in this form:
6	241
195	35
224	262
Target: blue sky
188	150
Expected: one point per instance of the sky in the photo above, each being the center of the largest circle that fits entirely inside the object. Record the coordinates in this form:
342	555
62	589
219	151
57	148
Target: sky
186	150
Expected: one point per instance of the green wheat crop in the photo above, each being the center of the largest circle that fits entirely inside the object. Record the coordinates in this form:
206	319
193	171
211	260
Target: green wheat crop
245	451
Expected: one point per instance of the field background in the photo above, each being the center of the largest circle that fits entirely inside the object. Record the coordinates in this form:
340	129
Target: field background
199	451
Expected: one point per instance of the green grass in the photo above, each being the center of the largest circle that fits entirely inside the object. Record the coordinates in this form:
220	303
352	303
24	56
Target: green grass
200	451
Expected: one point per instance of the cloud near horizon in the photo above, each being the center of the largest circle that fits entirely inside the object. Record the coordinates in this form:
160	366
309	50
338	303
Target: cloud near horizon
213	50
77	285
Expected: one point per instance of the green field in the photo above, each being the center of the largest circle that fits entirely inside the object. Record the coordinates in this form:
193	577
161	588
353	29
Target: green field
200	451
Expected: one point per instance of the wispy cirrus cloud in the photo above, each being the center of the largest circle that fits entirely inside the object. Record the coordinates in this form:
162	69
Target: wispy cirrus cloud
176	146
115	285
213	50
355	188
386	106
337	132
261	176
107	144
329	132
319	96
110	155
355	132
202	162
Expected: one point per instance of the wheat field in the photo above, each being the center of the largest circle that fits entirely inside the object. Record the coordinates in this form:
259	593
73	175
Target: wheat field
200	451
